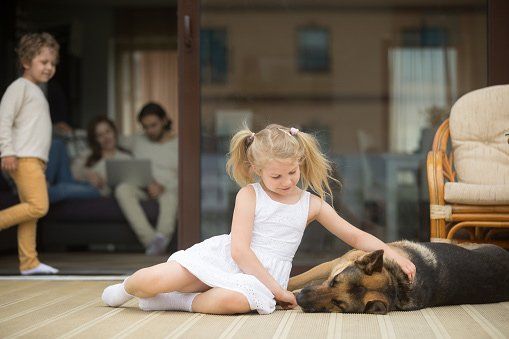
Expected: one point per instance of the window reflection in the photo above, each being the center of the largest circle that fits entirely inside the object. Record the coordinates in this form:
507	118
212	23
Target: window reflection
372	81
313	49
213	55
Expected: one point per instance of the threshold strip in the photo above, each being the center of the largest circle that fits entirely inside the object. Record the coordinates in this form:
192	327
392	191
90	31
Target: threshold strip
64	277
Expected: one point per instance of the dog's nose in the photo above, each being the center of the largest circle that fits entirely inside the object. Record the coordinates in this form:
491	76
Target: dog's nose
299	298
302	296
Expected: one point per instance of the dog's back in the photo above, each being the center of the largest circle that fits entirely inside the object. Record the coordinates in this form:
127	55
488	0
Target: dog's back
451	275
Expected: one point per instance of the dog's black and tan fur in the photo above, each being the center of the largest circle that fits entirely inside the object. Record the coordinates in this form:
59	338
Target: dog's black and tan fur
446	274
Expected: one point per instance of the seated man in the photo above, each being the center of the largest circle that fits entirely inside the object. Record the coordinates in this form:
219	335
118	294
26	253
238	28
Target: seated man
160	145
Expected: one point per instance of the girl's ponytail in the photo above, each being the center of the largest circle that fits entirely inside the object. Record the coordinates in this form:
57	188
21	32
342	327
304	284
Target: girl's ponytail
238	165
316	169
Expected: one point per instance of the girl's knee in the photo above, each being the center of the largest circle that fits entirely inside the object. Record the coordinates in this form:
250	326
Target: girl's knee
39	209
143	282
235	302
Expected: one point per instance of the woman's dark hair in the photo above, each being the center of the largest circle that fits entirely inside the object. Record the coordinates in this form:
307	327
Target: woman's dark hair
95	147
154	109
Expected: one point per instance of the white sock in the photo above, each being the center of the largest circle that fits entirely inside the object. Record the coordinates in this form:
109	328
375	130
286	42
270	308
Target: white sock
116	295
40	269
173	301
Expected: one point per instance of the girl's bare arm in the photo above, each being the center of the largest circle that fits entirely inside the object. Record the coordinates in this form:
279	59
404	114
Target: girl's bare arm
327	217
241	233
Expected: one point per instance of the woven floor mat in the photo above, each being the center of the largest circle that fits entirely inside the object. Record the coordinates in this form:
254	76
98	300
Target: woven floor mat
65	309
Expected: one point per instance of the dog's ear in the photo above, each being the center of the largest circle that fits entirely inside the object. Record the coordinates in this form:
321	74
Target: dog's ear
371	262
334	280
376	307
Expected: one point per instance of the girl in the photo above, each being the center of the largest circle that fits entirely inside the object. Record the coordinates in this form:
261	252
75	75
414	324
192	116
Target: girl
249	268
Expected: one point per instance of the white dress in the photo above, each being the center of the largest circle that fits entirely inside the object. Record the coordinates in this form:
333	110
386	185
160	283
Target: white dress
277	233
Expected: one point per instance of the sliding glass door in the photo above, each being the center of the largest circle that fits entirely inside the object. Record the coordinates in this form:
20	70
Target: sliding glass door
371	81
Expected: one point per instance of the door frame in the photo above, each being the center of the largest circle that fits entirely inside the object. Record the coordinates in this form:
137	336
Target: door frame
189	122
498	42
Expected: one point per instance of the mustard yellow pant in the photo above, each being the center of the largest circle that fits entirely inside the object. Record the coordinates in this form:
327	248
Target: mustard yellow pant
33	195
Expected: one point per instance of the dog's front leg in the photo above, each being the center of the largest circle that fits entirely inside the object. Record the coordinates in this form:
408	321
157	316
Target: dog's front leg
320	273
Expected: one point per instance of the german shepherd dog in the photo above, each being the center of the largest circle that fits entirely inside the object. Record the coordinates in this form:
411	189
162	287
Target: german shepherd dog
446	274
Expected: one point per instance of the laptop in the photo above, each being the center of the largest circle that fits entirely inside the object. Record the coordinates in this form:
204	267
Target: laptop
137	172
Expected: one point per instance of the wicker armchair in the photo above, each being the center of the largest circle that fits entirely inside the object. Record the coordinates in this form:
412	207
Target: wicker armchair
469	185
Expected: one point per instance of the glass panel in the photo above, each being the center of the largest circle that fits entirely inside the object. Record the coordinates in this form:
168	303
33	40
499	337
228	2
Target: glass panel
372	81
213	56
313	46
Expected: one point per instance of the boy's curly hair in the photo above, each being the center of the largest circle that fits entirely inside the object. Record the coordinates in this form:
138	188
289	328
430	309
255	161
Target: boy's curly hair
30	46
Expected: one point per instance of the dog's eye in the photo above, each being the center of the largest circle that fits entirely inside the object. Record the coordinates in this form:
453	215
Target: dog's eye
357	289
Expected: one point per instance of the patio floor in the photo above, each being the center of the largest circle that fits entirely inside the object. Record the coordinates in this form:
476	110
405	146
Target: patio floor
38	308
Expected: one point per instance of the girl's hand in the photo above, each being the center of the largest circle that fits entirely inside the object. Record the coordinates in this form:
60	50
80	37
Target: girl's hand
286	299
406	265
9	164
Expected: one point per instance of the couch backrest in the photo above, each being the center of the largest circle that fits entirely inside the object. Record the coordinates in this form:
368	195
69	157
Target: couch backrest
478	123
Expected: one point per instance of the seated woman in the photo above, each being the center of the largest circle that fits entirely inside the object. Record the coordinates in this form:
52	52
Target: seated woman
102	139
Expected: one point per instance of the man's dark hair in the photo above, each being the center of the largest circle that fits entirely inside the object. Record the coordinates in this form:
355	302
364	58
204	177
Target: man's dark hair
154	109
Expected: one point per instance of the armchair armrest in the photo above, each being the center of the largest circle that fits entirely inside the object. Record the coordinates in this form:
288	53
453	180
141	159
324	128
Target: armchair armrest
436	180
439	167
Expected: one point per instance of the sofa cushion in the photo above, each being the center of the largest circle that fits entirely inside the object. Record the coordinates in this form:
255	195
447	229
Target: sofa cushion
7	199
97	210
478	123
86	210
472	194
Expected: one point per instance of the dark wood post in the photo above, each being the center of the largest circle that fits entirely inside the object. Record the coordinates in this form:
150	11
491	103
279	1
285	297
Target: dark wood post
189	122
498	42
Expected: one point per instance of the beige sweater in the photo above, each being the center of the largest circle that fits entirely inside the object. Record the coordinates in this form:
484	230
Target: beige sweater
25	123
163	156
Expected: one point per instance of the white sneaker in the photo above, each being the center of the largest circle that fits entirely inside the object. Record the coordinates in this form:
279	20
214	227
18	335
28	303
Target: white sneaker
158	245
41	269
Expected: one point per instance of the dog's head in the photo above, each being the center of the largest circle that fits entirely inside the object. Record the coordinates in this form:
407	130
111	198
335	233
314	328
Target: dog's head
358	284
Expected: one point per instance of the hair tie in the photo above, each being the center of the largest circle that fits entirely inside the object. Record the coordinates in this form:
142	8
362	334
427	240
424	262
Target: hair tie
294	131
250	139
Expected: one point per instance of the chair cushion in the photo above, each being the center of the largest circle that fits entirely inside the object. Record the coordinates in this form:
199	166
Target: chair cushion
472	194
477	124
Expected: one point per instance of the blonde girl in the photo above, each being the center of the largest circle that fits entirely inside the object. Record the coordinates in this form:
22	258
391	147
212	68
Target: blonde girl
249	268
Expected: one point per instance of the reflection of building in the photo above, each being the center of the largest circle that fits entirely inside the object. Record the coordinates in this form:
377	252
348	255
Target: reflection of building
252	60
362	76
